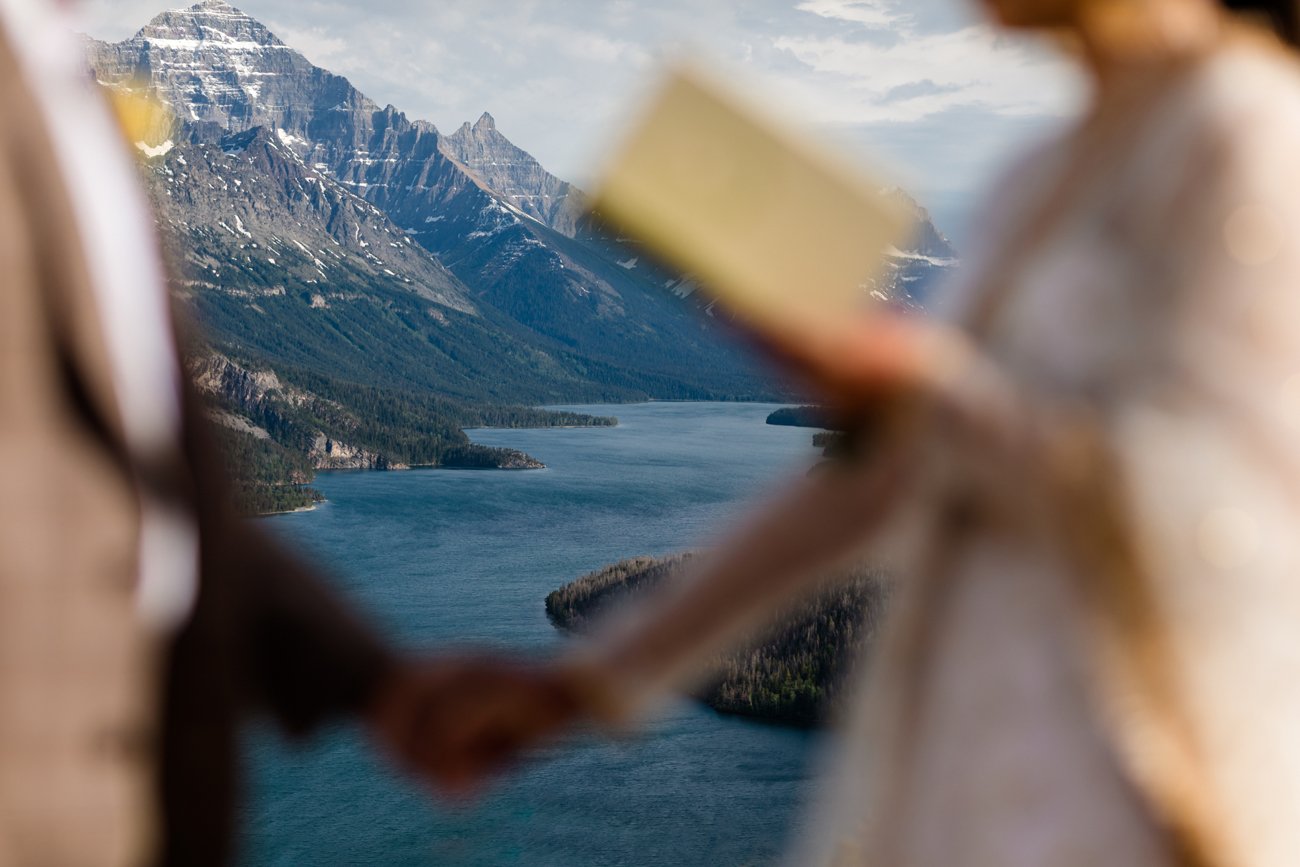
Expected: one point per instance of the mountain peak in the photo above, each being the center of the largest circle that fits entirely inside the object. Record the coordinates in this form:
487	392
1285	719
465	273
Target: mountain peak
213	23
927	240
486	123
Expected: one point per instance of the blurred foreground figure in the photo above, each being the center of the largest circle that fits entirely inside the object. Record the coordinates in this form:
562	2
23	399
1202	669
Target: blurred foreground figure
140	618
1088	485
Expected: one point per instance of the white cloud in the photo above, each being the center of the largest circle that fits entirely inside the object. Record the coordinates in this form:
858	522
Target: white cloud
916	73
116	19
923	74
870	13
317	44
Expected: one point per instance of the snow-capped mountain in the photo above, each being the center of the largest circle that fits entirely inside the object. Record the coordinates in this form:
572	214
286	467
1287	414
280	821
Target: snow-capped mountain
212	63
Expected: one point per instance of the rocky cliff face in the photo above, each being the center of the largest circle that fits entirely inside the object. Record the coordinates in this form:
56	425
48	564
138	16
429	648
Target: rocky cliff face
515	175
266	220
216	375
249	401
330	454
332	435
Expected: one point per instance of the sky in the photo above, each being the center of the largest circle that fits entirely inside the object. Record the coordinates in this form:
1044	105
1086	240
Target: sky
921	92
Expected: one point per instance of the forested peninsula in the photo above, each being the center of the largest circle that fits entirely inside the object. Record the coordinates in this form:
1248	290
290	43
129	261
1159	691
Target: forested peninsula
794	673
279	428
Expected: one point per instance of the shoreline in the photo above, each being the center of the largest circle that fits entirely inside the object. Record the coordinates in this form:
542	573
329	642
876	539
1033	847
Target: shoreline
468	431
313	507
652	400
407	468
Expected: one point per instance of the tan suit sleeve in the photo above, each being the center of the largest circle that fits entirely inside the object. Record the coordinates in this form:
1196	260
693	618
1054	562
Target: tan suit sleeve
298	650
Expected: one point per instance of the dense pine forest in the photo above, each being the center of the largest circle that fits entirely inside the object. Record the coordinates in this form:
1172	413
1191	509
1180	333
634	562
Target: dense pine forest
794	673
266	477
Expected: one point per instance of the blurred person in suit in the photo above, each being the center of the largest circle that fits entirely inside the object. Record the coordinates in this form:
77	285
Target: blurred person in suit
1085	478
140	619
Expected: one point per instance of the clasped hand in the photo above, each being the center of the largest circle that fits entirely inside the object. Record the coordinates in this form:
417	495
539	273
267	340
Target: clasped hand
453	721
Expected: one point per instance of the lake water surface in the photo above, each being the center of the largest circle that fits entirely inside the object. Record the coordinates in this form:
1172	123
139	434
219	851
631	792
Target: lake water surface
442	556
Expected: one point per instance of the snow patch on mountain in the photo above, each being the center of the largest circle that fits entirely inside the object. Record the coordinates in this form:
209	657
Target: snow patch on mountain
154	151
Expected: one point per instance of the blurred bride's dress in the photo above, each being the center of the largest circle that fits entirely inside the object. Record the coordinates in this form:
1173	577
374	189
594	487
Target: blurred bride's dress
1103	669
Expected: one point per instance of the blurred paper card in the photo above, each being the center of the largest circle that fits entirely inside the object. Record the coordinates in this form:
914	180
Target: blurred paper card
771	224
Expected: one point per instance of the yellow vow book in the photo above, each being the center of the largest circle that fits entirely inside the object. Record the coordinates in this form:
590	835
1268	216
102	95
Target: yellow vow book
771	224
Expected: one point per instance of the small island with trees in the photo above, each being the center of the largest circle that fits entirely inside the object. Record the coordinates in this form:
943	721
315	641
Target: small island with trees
835	442
801	416
793	673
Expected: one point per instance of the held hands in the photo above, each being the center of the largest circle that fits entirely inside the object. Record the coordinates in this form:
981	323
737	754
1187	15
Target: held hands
454	721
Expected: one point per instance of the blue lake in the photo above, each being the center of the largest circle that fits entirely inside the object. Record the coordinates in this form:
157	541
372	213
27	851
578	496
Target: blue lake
439	557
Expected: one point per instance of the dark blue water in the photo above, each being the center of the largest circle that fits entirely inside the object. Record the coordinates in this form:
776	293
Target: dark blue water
441	556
